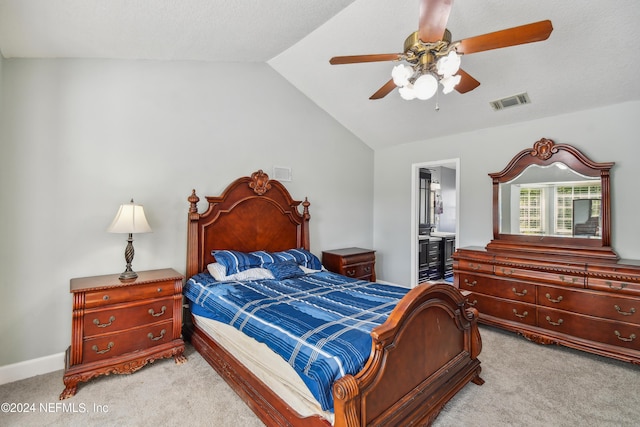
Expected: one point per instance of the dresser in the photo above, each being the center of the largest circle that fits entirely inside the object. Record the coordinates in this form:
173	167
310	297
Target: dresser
351	262
548	274
582	303
118	327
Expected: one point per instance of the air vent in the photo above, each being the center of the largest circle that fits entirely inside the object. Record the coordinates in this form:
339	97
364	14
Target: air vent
510	101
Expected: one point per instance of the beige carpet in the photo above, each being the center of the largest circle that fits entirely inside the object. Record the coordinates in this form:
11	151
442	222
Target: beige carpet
526	385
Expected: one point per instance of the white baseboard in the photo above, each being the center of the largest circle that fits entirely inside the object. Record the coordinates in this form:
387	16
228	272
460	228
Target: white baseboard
30	368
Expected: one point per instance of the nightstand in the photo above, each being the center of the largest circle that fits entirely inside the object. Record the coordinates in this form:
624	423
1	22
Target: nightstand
351	262
118	327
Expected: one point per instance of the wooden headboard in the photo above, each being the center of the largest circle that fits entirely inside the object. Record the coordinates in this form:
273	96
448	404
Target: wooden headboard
253	213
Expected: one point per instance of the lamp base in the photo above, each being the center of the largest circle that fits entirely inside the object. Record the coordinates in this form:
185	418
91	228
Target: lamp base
128	275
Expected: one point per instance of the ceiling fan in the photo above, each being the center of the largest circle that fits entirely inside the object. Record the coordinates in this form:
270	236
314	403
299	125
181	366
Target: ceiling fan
431	57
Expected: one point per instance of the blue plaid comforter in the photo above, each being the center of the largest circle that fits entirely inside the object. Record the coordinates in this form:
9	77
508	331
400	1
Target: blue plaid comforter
319	323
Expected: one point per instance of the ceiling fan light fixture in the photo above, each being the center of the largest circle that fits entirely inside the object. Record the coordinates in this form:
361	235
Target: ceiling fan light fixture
407	92
448	65
425	86
401	74
449	83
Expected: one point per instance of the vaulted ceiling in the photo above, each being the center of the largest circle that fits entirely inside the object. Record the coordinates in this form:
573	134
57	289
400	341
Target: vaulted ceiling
590	59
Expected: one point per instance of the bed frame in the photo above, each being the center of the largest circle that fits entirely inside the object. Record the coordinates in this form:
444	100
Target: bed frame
420	357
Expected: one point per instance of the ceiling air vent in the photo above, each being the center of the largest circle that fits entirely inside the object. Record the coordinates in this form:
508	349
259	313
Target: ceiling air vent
510	101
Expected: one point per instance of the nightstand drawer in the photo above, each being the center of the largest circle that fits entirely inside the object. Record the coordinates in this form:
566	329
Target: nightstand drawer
104	321
129	293
104	347
359	271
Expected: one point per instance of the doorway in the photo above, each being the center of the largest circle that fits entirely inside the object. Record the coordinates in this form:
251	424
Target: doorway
440	215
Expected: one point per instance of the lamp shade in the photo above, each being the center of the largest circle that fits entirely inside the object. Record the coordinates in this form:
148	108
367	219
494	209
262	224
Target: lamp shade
130	219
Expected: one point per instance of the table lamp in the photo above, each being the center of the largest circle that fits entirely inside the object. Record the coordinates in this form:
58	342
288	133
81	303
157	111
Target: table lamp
129	219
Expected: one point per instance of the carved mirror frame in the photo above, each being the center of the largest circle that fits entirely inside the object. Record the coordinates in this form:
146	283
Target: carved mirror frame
544	153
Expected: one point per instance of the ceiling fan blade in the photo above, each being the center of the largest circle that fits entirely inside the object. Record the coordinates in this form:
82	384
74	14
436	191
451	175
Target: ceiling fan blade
354	59
467	83
434	15
384	90
528	33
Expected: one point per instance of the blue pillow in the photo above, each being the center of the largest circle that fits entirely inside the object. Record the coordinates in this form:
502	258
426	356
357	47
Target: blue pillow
285	270
301	257
235	261
265	257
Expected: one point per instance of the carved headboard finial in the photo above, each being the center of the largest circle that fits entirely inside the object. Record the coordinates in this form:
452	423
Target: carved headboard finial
193	201
544	149
260	182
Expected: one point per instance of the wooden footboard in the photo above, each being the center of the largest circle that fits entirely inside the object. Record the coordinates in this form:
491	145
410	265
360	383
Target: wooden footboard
420	358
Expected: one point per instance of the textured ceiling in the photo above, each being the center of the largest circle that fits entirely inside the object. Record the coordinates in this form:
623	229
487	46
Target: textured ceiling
590	59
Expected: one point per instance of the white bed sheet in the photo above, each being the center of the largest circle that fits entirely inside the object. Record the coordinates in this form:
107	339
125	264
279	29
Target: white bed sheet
268	366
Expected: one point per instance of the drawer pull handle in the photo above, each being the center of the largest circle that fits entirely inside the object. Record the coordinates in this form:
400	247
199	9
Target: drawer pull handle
154	314
520	294
507	272
472	284
557	300
351	272
106	297
472	304
104	325
565	279
109	346
474	266
367	269
610	284
621	338
522	316
159	290
558	323
625	313
159	337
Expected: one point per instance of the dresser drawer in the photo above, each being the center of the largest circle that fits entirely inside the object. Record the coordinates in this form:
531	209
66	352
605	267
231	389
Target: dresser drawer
593	303
128	293
540	276
125	316
509	289
618	334
111	345
502	308
475	266
619	286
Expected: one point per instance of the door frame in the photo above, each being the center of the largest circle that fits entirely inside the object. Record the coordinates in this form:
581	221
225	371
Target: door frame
415	169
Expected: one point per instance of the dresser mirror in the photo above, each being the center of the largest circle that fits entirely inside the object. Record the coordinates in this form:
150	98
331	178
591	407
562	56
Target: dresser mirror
553	199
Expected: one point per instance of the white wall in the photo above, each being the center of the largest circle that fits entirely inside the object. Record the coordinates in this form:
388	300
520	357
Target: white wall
80	137
604	134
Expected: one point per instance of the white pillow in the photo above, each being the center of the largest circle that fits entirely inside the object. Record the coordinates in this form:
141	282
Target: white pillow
218	271
309	270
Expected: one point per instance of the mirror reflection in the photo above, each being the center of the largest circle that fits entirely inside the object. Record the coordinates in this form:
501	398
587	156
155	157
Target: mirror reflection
551	200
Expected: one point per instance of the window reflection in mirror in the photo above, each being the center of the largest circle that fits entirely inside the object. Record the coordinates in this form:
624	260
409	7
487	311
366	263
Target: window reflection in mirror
541	201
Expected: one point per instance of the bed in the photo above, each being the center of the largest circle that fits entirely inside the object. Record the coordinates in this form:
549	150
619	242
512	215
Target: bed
420	356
